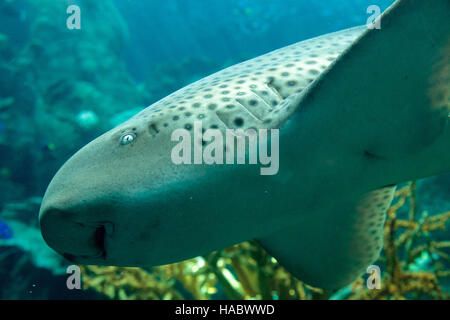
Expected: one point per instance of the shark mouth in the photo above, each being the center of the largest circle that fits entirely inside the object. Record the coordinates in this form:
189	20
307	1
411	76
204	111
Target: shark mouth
99	241
76	241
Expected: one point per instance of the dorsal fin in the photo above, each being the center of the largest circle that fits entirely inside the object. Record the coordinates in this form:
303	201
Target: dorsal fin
388	96
394	82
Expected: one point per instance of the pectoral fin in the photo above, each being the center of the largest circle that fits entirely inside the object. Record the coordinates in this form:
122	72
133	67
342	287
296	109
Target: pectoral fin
331	249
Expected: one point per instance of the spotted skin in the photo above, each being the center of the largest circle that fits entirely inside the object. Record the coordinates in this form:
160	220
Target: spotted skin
248	95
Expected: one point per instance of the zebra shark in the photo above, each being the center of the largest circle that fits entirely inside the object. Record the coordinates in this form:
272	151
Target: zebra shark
358	111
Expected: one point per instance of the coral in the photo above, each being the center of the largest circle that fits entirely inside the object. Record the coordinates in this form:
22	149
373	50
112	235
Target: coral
53	102
160	283
406	241
246	271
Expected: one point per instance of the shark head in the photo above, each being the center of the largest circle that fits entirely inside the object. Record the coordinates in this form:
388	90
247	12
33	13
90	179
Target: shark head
358	111
83	208
123	199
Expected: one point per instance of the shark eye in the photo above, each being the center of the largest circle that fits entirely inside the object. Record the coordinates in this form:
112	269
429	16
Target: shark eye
127	138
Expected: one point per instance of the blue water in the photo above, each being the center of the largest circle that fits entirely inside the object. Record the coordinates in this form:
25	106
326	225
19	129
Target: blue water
226	31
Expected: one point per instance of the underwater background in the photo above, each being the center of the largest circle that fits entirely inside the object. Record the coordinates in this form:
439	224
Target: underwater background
61	88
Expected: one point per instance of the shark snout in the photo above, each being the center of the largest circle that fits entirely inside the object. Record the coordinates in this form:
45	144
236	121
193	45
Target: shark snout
73	217
75	239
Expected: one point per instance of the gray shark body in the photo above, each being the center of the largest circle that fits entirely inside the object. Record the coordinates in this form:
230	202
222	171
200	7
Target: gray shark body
358	110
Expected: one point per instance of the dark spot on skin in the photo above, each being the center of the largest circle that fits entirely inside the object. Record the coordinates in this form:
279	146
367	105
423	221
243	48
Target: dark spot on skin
371	155
153	129
239	122
253	102
188	126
